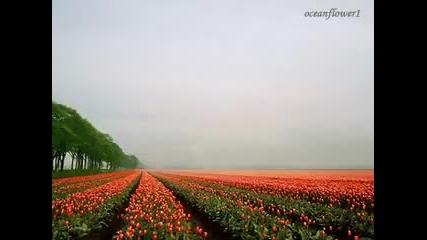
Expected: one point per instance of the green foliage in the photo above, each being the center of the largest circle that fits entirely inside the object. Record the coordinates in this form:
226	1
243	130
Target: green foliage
90	149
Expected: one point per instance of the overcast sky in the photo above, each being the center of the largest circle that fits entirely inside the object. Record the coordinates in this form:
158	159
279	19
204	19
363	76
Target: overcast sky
221	84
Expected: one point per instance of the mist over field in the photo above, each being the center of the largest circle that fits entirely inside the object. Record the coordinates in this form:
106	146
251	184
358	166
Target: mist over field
221	84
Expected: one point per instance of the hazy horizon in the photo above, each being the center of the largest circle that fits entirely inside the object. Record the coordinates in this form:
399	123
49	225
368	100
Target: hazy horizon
224	84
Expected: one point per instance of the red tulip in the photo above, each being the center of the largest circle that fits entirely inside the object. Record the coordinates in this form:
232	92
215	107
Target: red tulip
274	228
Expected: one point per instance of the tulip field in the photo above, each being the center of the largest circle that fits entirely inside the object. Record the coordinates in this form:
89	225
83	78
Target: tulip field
196	205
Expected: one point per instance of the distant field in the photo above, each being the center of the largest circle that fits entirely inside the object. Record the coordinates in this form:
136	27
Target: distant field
273	173
76	173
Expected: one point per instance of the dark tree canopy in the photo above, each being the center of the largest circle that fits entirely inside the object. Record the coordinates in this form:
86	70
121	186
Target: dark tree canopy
88	147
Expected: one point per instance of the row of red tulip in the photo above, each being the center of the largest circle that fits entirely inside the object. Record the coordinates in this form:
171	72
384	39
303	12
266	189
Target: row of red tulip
62	188
92	199
238	216
81	211
154	213
353	192
74	180
276	211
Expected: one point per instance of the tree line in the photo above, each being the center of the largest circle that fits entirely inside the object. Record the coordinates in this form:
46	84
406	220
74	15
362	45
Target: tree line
89	148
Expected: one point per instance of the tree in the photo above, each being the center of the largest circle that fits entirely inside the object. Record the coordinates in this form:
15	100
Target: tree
88	147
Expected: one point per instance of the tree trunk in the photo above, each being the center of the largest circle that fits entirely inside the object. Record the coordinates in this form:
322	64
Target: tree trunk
72	161
57	161
79	161
62	161
53	159
82	161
